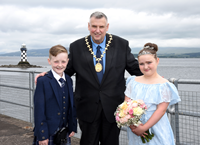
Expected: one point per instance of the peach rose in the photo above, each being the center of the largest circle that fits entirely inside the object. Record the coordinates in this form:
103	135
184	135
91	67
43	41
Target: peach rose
140	101
123	120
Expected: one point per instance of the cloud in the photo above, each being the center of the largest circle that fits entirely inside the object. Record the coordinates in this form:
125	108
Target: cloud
42	24
180	7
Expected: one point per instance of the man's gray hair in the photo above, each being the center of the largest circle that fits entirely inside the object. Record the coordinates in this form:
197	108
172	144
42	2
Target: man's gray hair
98	15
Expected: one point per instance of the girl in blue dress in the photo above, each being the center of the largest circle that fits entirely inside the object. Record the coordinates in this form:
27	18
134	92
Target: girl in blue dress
157	93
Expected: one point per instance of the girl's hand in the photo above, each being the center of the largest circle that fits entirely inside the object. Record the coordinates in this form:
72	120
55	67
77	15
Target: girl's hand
126	98
132	127
139	131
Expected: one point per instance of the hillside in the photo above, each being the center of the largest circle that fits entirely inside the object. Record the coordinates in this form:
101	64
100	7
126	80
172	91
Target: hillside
32	52
173	55
163	52
170	50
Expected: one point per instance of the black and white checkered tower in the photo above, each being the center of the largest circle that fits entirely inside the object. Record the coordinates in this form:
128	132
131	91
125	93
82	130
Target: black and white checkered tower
23	53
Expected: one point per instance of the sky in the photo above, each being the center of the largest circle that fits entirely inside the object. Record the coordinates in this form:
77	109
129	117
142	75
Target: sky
44	23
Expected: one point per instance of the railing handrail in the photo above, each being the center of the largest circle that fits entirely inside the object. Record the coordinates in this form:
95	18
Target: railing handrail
21	71
176	112
10	86
180	81
185	81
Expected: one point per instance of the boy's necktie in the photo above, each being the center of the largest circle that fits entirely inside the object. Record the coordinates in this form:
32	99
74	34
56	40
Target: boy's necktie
98	55
62	81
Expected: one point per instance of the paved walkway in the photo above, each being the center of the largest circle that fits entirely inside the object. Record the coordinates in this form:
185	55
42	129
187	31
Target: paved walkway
17	132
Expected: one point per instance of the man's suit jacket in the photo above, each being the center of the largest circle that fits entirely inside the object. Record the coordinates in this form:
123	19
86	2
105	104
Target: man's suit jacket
48	107
88	91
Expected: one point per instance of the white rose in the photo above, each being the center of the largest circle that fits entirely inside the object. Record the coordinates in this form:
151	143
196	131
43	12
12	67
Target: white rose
138	111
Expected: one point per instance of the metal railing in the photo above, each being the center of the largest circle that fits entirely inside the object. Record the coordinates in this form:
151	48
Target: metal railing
185	115
16	94
16	100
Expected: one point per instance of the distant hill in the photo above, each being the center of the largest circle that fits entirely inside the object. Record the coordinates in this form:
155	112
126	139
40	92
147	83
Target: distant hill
170	50
192	54
173	55
164	52
31	52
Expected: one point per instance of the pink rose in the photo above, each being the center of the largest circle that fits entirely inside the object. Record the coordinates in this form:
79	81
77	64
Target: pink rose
117	118
142	105
131	111
132	116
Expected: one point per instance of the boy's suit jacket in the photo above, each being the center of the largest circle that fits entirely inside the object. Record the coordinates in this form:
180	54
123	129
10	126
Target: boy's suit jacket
48	107
111	90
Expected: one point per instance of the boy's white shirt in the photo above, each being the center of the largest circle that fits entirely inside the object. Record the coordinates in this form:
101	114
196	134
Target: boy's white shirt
57	77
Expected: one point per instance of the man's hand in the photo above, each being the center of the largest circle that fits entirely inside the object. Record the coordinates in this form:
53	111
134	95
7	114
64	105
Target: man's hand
44	142
39	75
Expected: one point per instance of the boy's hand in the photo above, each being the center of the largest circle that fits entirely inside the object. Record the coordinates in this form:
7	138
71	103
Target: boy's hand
71	134
44	142
39	75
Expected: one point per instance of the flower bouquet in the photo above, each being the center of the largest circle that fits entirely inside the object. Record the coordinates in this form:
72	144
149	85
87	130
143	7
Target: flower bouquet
129	113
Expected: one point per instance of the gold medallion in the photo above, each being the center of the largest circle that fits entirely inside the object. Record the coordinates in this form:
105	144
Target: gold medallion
98	67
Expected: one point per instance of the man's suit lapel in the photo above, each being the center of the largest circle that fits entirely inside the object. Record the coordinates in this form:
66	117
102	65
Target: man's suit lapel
109	57
53	83
70	89
89	58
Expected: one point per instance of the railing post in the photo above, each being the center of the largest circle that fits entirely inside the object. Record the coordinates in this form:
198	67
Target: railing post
177	116
30	94
0	94
32	99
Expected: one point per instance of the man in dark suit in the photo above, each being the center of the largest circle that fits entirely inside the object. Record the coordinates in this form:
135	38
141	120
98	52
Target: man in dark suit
99	62
100	82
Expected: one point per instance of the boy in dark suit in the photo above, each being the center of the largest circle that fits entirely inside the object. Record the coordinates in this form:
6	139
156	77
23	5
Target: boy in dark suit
53	100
